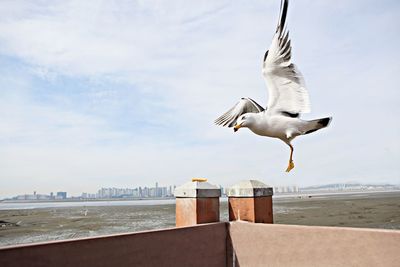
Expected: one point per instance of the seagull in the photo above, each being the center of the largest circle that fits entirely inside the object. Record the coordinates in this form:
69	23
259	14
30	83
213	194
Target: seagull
287	98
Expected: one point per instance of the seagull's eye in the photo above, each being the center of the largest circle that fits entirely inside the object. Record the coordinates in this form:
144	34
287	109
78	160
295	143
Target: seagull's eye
243	118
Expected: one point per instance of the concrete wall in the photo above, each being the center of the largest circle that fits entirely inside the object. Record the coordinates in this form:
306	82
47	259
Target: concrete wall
218	244
288	245
203	245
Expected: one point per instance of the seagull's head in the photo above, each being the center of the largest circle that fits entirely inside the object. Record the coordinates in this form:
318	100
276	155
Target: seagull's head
243	121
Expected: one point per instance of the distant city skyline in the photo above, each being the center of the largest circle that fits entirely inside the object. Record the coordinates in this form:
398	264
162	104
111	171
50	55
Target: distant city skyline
123	93
167	191
104	192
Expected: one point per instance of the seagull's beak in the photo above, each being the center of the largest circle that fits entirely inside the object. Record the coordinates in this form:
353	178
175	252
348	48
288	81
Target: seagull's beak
237	127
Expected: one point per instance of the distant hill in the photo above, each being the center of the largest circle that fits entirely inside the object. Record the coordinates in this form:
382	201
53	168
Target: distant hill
349	186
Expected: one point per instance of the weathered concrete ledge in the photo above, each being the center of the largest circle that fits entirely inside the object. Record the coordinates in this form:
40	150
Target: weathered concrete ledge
258	244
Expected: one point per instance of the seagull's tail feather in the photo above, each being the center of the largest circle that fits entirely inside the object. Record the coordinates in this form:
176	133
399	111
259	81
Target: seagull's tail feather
314	125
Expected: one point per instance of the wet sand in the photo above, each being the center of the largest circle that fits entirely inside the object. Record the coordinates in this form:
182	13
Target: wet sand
44	224
367	211
380	210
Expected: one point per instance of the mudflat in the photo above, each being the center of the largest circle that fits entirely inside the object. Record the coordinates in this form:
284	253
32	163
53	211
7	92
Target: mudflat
378	210
367	211
44	224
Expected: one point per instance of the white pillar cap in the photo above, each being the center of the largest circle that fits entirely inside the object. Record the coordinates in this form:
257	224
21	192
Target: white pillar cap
250	188
197	189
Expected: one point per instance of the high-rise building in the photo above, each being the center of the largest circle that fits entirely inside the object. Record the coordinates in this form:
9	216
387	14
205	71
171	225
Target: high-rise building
61	195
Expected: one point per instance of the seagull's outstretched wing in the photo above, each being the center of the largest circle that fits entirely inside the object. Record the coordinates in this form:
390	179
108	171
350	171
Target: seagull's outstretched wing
287	92
245	105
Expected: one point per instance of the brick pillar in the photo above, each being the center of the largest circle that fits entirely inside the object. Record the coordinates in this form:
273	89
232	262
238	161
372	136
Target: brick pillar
250	200
197	202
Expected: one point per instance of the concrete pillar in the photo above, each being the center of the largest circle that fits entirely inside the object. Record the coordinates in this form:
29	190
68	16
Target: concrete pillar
250	200
197	202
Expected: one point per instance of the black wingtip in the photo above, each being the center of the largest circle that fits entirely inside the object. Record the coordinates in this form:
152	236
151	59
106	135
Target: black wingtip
282	20
325	121
266	55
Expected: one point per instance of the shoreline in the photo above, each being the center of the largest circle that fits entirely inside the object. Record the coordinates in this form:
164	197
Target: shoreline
275	196
83	200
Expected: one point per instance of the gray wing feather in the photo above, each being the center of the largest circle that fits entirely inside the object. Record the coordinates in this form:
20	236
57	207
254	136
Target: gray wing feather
245	105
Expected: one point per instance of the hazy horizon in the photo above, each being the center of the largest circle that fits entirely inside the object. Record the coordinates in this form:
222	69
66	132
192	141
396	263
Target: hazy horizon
124	93
167	186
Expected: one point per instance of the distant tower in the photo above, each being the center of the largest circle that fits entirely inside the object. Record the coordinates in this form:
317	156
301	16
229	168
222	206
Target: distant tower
156	193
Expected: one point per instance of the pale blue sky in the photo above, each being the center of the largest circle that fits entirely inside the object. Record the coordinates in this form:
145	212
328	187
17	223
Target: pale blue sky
124	93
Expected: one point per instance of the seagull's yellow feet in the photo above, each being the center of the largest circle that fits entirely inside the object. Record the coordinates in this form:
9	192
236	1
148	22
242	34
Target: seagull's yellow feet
290	166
